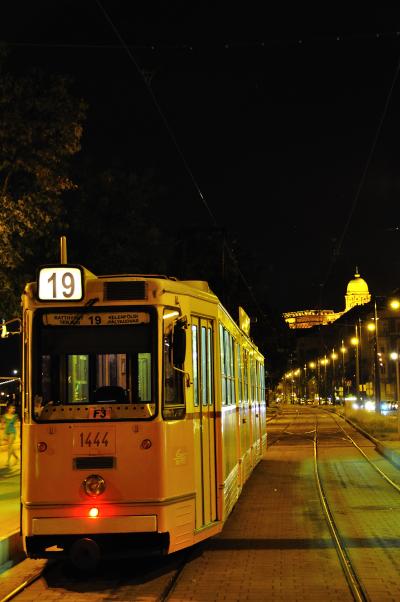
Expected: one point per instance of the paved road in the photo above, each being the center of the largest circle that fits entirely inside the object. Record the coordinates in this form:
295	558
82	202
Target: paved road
9	494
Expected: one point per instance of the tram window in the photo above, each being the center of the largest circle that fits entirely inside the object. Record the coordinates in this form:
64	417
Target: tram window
245	374
77	378
209	367
223	369
144	376
195	355
227	367
173	390
240	373
204	397
73	362
111	370
46	379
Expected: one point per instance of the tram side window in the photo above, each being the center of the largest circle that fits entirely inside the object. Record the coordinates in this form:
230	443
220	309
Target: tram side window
262	383
195	359
173	376
202	362
253	380
204	366
245	373
227	367
204	370
210	392
224	394
240	373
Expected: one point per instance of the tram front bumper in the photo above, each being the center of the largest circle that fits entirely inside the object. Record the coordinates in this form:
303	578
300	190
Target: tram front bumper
107	524
117	536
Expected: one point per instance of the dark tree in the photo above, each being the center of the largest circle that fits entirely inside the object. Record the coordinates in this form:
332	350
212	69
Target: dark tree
40	130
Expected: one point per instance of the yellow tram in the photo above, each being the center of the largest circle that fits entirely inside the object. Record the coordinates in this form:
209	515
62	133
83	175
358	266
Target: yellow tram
143	414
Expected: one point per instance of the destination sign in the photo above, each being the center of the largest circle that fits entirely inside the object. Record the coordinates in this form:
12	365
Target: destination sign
115	318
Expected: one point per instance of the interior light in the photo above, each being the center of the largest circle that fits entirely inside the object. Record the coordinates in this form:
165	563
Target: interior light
171	314
94	512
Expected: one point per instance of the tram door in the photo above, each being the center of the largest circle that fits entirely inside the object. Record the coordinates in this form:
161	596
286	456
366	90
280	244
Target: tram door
204	418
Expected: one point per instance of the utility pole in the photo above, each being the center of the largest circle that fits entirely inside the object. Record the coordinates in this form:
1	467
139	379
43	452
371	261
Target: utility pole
377	373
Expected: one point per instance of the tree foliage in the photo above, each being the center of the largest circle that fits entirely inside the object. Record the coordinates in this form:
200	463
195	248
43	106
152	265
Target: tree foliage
40	130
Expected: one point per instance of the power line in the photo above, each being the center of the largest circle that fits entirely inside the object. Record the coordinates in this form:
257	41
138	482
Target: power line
209	45
354	204
160	112
157	105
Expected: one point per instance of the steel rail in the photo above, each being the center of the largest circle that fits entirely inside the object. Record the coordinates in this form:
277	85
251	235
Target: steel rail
351	576
384	475
22	586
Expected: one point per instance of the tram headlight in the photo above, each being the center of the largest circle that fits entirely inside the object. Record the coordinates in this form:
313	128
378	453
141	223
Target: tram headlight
42	446
93	512
94	485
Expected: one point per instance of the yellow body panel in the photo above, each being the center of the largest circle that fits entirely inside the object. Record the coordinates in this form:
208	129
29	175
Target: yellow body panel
179	477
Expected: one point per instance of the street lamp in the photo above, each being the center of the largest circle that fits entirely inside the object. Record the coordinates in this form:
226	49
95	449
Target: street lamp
354	341
325	362
395	356
395	305
334	357
313	365
373	329
377	368
343	350
305	383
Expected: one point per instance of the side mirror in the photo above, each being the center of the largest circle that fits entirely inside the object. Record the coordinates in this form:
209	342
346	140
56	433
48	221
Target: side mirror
179	343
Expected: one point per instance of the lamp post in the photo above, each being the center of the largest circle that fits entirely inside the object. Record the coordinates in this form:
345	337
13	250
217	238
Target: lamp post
395	305
395	356
334	357
312	365
324	362
377	369
354	341
343	350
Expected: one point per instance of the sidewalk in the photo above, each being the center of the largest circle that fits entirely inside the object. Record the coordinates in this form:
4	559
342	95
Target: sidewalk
10	540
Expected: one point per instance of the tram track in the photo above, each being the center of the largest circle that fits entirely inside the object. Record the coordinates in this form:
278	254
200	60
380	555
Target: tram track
352	567
347	492
353	581
153	579
285	431
358	499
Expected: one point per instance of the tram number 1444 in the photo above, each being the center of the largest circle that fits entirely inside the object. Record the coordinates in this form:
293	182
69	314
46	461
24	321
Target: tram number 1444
95	440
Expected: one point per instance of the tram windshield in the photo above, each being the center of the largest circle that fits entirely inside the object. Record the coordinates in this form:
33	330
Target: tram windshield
84	360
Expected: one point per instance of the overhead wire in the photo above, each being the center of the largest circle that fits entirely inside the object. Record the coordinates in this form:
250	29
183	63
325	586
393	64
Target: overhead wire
180	152
224	45
338	246
160	112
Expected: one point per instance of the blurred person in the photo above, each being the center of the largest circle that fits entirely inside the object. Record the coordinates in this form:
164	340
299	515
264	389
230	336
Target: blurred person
9	421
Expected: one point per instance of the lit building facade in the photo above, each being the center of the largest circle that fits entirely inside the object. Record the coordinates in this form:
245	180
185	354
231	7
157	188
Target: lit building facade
357	293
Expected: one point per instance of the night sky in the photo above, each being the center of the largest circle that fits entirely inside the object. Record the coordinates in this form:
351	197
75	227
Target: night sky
281	128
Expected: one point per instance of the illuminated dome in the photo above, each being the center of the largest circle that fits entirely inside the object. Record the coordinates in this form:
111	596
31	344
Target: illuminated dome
357	285
357	292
